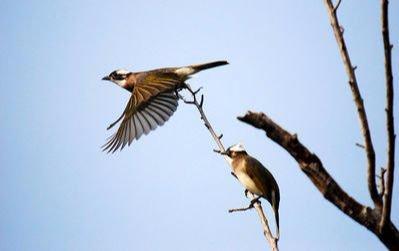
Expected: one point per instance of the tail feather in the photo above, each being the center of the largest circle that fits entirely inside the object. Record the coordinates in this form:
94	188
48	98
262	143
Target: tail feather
275	201
277	222
200	67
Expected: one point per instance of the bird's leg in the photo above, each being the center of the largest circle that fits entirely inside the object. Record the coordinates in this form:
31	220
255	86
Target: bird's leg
251	205
253	201
246	193
177	93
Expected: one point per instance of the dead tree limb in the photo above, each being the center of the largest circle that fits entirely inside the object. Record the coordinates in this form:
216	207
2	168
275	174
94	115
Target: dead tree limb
273	242
350	71
387	196
312	166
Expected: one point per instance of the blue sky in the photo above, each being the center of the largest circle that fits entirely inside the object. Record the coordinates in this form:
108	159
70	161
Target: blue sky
169	191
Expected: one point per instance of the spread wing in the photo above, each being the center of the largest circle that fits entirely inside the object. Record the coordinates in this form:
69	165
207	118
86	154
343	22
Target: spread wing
143	113
151	83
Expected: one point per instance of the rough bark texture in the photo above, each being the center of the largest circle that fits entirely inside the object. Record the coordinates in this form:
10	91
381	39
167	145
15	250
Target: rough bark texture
390	167
311	165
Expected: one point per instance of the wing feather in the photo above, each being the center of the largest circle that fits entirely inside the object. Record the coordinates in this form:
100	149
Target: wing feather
142	119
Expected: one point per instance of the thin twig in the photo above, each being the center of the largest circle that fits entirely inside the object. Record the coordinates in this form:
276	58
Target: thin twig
265	225
350	71
337	6
387	196
266	229
360	145
203	116
241	209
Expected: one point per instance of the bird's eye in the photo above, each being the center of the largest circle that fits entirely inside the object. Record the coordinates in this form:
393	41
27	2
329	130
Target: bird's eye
120	76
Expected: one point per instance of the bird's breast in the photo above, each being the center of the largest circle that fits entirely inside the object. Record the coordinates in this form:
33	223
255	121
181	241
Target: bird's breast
248	183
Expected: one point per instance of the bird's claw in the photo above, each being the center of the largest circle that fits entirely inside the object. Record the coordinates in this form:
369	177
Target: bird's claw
253	201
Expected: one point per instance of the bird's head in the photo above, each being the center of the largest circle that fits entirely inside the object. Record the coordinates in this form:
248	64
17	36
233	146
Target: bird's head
235	150
118	77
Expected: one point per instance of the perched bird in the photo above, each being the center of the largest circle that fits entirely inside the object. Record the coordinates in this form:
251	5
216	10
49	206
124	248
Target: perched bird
153	101
254	177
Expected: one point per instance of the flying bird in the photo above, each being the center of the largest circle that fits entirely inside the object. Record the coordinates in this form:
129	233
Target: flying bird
152	102
254	177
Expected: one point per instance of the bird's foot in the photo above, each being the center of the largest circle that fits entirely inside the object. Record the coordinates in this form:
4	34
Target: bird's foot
253	201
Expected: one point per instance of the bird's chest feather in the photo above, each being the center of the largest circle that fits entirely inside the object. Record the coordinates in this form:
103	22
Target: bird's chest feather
244	177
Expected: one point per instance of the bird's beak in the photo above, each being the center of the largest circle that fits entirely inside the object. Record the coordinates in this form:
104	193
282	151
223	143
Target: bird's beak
106	78
227	152
222	153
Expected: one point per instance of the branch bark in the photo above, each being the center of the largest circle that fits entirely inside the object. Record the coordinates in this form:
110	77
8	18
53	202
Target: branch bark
265	224
350	71
273	242
312	166
387	196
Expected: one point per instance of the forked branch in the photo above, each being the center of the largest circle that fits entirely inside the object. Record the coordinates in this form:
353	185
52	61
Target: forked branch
350	71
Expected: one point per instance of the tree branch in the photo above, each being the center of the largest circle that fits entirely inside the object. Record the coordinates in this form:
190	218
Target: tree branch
265	225
350	71
312	166
241	209
387	196
266	229
382	180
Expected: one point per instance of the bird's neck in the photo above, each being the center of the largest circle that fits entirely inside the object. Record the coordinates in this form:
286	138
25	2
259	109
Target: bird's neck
130	82
238	161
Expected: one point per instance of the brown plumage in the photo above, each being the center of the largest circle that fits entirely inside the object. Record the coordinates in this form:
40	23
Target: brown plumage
153	100
255	178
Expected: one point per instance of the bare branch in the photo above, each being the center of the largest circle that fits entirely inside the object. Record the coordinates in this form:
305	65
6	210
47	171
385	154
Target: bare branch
350	71
255	203
382	180
312	166
360	145
266	230
387	196
241	209
337	6
204	118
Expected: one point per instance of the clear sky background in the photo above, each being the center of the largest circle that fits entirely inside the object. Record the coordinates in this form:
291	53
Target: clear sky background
169	191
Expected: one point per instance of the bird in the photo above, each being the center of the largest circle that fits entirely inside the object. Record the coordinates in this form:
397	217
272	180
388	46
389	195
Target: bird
154	99
255	178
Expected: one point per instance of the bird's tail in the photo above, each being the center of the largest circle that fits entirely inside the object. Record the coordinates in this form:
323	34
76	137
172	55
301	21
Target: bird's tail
200	67
277	222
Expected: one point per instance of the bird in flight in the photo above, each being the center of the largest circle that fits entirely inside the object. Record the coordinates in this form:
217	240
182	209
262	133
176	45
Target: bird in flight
255	178
152	102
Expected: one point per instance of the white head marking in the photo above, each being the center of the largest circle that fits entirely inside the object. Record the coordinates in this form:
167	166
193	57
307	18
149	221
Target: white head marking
237	148
119	77
121	71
